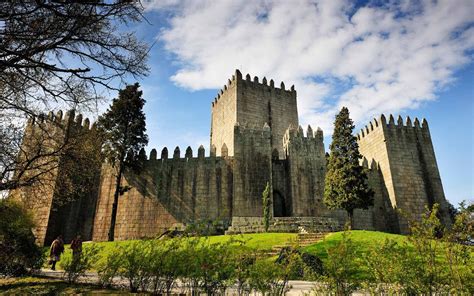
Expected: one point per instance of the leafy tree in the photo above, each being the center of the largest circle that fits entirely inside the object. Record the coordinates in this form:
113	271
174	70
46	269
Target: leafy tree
346	181
266	206
58	54
18	251
123	132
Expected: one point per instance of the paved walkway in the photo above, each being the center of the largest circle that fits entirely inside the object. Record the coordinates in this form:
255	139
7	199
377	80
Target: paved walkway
298	288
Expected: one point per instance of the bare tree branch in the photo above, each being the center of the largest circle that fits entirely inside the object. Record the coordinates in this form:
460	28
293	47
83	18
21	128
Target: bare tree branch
58	53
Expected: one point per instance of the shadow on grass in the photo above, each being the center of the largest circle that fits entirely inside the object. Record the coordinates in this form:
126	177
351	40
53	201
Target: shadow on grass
46	286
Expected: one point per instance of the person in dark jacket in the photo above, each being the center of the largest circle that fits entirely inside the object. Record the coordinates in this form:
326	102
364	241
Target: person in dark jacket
76	247
57	248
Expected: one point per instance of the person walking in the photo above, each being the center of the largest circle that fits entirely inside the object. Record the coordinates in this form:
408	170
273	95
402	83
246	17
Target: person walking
57	248
76	246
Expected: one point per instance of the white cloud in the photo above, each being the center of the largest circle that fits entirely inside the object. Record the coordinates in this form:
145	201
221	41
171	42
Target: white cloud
389	58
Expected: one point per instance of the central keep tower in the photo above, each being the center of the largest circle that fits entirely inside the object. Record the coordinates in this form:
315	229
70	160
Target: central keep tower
251	103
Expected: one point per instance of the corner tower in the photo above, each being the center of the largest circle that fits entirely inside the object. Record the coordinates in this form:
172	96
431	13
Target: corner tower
61	202
405	154
251	103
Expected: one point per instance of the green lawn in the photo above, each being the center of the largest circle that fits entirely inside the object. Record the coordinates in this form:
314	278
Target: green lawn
255	241
362	239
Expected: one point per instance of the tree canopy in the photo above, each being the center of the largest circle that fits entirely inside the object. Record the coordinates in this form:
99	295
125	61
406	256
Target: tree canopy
346	180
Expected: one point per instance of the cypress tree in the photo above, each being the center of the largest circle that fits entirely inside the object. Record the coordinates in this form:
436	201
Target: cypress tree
346	180
123	134
266	207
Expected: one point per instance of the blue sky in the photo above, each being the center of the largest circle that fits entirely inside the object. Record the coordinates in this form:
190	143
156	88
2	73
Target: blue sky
404	57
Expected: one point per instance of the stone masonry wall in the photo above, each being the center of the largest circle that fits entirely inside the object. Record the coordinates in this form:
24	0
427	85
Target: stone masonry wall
260	103
252	103
224	117
39	197
252	169
383	217
166	193
306	170
75	196
53	213
409	170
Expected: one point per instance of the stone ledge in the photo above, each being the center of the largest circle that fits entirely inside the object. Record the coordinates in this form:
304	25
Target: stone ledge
284	224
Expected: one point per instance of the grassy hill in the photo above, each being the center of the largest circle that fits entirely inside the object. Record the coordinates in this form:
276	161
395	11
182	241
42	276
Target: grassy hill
363	241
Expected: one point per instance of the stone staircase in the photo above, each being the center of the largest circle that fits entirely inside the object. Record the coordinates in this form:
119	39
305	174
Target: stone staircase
303	239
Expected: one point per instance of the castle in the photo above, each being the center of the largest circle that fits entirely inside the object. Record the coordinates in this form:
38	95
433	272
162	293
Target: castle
255	139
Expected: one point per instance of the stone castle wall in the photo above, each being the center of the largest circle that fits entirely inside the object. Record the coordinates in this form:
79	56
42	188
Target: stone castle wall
166	193
72	212
405	155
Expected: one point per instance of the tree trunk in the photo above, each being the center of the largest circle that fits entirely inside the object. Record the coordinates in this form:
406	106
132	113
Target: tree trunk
115	204
351	219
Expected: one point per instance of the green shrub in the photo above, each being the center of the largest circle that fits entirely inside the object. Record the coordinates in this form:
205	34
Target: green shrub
217	268
458	251
388	265
209	267
109	267
268	278
76	267
244	259
165	265
340	268
425	263
18	251
134	265
313	263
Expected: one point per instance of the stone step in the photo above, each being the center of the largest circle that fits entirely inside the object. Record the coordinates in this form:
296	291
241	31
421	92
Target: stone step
310	238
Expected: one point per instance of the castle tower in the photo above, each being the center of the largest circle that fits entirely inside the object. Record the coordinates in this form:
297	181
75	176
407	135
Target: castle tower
55	207
251	103
405	155
306	164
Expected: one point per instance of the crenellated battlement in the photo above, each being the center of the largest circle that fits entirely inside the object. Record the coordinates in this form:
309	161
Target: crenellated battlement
381	123
62	120
189	154
370	165
270	86
293	133
254	83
